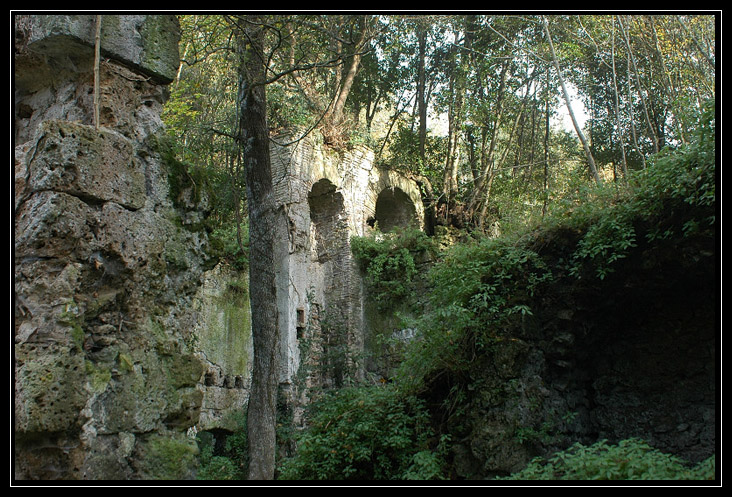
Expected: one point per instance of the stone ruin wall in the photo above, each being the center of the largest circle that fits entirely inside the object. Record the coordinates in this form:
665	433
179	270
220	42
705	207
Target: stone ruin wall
125	336
327	198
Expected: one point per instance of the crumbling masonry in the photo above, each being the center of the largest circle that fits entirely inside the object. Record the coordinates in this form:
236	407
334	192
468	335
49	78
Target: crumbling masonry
329	197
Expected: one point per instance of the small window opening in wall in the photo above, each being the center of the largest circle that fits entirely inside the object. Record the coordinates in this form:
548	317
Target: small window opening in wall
209	379
300	328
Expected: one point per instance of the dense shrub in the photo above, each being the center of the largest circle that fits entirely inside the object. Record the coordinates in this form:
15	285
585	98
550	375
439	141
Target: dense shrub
478	291
674	196
366	433
630	459
389	261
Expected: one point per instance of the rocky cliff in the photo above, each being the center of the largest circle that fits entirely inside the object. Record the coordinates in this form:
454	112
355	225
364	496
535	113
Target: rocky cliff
105	267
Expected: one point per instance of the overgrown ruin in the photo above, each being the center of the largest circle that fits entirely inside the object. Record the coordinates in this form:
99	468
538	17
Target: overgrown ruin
329	197
126	335
130	336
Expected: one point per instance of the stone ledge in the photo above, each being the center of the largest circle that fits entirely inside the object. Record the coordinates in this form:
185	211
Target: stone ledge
147	43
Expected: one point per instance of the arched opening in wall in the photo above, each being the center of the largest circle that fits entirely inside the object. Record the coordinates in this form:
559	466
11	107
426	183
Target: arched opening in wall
331	276
326	208
394	209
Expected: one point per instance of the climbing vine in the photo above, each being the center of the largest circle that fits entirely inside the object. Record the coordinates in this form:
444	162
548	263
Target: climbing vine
390	263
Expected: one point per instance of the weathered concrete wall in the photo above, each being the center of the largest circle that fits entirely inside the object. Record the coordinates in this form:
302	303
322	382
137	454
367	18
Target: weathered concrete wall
329	197
106	379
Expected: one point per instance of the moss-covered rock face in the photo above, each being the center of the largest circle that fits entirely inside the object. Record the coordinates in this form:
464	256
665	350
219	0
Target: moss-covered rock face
167	457
51	388
104	371
223	341
72	165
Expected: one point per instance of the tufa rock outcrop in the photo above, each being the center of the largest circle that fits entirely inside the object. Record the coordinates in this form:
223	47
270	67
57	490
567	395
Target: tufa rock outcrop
105	373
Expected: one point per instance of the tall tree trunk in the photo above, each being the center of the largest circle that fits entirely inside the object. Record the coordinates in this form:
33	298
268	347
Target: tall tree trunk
578	130
633	132
254	140
617	108
626	35
545	189
486	157
500	163
670	87
453	141
346	81
421	94
455	121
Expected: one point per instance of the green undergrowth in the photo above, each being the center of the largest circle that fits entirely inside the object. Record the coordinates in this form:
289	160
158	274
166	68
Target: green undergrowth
483	289
224	459
366	433
630	459
481	292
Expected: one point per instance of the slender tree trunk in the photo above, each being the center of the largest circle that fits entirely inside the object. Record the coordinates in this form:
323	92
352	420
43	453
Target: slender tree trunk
347	80
486	158
626	36
254	139
697	44
501	161
546	156
585	145
453	135
421	87
634	134
617	109
392	122
671	88
455	122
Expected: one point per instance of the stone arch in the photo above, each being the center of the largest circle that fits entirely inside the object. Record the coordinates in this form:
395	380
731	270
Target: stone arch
395	209
393	201
331	275
327	218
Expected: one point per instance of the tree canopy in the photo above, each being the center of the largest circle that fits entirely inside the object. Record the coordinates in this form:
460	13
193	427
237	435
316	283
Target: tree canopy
468	103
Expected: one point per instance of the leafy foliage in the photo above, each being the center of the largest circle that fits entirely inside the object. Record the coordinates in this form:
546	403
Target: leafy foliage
482	291
630	459
226	241
686	174
679	184
478	291
389	261
369	432
231	463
